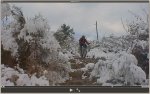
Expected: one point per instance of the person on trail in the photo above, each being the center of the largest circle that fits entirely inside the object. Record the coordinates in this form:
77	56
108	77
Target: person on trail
83	46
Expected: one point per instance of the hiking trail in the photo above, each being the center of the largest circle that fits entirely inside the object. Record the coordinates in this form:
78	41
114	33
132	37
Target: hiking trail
78	76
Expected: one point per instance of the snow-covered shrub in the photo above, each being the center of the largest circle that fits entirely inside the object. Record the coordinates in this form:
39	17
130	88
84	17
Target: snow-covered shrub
121	69
135	76
58	70
139	28
17	77
100	53
45	49
42	44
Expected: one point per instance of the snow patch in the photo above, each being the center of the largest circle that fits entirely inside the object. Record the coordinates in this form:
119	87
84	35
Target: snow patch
12	77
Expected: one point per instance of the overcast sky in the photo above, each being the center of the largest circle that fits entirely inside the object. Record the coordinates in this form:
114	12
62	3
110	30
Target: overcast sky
82	16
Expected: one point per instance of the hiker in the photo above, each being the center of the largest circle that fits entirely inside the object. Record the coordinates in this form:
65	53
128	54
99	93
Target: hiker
83	46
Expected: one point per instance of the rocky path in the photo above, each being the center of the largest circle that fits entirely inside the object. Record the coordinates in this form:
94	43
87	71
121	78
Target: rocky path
77	75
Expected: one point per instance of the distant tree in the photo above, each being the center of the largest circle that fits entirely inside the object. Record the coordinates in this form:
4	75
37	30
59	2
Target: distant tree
64	35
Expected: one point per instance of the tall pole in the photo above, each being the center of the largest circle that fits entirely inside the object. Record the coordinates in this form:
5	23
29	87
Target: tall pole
96	30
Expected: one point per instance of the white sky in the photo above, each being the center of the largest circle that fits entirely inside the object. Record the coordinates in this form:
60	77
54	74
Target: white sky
82	16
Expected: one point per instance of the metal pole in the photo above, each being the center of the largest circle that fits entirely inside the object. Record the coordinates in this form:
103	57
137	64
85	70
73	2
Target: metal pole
96	30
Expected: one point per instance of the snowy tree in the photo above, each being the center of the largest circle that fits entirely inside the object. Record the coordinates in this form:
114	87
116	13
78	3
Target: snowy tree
64	35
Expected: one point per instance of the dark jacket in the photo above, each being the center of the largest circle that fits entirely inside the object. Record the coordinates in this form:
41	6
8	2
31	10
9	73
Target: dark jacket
83	41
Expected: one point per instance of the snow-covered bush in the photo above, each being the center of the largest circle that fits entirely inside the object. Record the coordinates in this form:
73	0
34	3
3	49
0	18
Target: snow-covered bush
36	33
121	69
100	53
139	28
44	48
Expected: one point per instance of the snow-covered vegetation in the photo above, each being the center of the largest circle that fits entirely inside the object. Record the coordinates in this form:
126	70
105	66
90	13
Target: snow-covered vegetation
118	69
17	77
31	44
123	60
65	37
33	55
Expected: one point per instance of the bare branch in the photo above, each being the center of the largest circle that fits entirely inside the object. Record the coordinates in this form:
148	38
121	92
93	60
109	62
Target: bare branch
135	15
123	25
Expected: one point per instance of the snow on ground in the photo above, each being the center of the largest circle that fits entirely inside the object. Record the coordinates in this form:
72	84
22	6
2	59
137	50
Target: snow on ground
99	53
12	77
116	69
89	66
